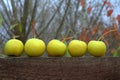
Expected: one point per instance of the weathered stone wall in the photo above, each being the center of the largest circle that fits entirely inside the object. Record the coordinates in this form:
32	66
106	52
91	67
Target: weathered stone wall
86	68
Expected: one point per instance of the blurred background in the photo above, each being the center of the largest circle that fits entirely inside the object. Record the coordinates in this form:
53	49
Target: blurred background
48	19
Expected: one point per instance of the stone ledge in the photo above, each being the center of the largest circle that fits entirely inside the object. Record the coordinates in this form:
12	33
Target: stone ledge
74	68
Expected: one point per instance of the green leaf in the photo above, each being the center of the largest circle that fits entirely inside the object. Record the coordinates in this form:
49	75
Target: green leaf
20	27
1	19
118	48
67	54
115	54
13	26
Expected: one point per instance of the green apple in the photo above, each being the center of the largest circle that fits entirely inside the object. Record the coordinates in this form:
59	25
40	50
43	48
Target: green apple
77	48
14	47
56	48
34	47
97	48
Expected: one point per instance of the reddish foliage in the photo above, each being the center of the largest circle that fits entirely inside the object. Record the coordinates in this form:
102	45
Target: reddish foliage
94	30
108	34
84	36
89	9
106	42
87	36
112	50
119	44
107	3
118	18
114	26
109	12
111	34
105	30
33	28
82	2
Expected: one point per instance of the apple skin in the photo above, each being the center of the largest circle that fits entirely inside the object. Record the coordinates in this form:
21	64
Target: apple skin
97	48
77	48
56	48
34	47
13	47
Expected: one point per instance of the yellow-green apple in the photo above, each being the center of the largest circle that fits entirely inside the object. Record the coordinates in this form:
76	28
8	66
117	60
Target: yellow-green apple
14	47
96	48
77	48
56	48
34	47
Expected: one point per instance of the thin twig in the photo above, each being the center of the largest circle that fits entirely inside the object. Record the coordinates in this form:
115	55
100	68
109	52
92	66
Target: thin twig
32	18
107	33
2	35
75	16
5	9
25	16
97	18
51	19
14	10
63	19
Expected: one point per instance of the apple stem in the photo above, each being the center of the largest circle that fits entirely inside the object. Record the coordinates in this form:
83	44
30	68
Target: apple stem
15	36
33	28
68	38
106	34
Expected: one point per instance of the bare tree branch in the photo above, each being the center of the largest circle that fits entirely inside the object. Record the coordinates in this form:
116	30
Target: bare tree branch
2	35
75	16
5	9
97	18
14	9
21	7
7	29
42	11
51	18
33	15
9	7
24	19
63	19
